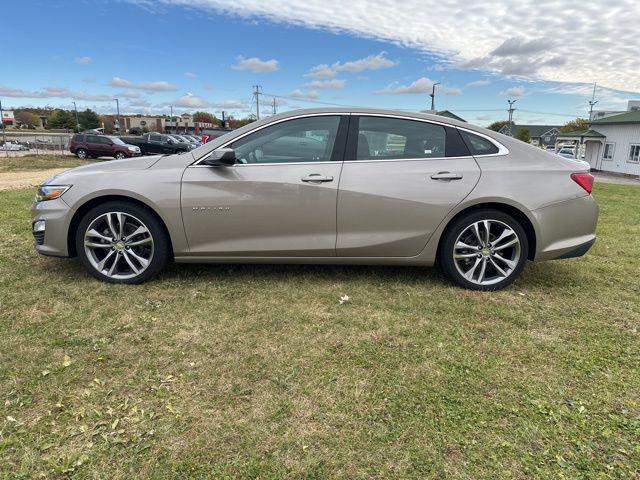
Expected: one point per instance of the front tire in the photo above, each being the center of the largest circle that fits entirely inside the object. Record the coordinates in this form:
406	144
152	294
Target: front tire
484	250
81	153
119	155
119	242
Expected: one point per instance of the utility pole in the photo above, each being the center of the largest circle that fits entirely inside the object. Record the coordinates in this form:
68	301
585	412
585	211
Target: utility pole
592	102
4	132
274	105
77	121
433	96
171	119
257	90
118	115
511	109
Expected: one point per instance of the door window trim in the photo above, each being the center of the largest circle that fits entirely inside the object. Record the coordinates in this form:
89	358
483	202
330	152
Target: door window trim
307	115
502	150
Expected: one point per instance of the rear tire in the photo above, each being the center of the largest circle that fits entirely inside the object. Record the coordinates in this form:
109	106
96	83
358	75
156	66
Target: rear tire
119	242
480	258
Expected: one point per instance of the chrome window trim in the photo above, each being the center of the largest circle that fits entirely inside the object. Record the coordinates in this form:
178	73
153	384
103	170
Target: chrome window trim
502	150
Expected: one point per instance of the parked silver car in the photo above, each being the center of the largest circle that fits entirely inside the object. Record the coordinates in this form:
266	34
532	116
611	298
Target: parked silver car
353	186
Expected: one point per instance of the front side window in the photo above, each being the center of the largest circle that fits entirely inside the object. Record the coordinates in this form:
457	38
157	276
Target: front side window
92	139
608	151
395	138
478	145
634	153
309	139
155	138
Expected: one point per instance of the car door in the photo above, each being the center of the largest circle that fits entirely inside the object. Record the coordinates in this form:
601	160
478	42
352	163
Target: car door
278	200
154	144
399	180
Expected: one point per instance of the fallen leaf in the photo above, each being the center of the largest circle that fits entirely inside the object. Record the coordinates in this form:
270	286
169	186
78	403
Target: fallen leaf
11	419
344	299
67	361
44	373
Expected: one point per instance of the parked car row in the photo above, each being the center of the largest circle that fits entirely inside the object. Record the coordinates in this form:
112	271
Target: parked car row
93	145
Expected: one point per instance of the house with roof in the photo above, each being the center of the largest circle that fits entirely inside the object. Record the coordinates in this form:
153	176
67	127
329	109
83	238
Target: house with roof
618	148
541	135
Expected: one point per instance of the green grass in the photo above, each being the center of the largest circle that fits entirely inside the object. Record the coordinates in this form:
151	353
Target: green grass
258	372
39	162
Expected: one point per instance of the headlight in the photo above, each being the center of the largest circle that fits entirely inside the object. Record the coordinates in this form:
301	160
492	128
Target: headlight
50	192
133	149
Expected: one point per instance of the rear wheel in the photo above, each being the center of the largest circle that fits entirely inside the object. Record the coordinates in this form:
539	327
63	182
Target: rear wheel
484	250
119	242
82	153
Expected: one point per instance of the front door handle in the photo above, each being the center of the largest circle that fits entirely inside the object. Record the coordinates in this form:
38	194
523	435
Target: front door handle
446	176
317	178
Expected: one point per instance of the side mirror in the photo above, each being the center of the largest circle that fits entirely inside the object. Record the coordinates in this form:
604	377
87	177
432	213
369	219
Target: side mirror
169	141
222	157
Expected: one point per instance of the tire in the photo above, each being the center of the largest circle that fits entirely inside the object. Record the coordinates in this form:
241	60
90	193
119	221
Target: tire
119	156
81	153
136	259
491	267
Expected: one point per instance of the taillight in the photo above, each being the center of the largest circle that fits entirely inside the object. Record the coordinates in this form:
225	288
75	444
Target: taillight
585	180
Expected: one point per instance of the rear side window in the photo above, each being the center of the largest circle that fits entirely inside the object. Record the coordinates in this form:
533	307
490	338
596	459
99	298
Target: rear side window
78	138
395	138
92	139
478	145
155	138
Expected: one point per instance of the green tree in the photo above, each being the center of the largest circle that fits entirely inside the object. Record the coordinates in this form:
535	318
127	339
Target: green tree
61	119
524	134
89	119
577	125
204	117
28	119
496	126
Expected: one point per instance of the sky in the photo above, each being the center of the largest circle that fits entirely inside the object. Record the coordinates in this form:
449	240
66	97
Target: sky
208	54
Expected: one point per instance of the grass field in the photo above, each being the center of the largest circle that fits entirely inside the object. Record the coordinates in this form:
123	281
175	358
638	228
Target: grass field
259	372
39	162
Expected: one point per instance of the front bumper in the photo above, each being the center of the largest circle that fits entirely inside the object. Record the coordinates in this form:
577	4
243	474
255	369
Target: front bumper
566	229
50	225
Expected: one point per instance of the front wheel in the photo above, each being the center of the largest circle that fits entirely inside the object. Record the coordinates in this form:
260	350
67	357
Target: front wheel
484	250
120	242
119	155
81	153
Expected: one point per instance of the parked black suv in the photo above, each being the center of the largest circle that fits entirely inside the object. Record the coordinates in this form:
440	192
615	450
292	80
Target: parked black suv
153	143
85	145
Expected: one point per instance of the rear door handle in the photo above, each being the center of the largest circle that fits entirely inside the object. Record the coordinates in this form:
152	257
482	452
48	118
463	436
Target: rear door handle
317	178
446	176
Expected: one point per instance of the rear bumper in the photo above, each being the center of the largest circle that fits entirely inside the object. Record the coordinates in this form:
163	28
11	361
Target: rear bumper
566	229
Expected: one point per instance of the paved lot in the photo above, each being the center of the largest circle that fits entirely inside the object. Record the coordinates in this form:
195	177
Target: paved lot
605	177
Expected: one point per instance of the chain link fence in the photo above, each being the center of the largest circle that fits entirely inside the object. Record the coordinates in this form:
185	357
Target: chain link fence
37	143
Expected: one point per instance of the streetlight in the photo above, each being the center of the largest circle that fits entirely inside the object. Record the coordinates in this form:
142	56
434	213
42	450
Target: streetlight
77	121
433	96
118	115
511	109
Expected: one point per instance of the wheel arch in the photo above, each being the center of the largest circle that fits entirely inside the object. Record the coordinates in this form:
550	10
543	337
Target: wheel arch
509	209
94	202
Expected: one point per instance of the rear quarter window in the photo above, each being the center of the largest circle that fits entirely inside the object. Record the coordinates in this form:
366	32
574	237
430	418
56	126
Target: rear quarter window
478	145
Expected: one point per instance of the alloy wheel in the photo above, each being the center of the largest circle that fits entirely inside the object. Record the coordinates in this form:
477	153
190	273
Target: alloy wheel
486	252
118	245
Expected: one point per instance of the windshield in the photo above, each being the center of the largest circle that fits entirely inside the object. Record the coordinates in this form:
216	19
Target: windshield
116	140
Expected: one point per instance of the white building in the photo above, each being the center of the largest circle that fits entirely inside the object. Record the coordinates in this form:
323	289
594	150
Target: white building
618	149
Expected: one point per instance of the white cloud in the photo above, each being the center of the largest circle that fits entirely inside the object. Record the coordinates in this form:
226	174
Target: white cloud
312	94
372	62
191	101
326	84
83	60
159	86
420	86
127	94
53	92
513	92
478	83
190	75
597	41
254	64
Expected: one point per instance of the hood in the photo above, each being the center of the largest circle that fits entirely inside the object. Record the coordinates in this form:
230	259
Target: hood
124	165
